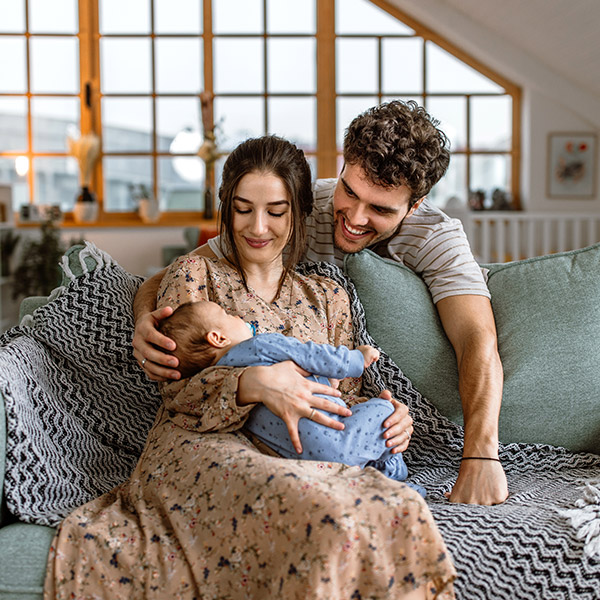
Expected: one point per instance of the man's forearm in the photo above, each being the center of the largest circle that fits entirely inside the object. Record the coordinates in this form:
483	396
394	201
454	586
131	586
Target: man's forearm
145	298
480	387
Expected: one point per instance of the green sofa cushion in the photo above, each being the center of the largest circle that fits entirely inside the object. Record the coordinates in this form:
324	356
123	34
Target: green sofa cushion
547	312
23	556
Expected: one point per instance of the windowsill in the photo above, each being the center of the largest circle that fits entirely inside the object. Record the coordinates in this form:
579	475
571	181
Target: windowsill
128	220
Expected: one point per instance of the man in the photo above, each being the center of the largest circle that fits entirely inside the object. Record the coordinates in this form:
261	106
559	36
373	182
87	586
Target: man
394	154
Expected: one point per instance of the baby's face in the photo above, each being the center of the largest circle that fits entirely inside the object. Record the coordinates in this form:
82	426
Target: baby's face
235	328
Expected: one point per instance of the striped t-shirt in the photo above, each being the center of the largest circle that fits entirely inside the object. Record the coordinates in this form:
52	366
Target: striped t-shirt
429	243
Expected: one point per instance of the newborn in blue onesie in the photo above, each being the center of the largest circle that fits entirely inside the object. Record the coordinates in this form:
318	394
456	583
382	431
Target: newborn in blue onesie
361	443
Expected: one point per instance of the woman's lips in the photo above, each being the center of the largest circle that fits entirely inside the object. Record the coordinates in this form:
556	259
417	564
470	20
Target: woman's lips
256	243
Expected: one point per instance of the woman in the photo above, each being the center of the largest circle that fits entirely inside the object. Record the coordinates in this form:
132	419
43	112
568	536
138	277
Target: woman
210	516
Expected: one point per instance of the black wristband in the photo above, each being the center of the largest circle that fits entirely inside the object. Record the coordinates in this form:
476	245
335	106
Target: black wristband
479	458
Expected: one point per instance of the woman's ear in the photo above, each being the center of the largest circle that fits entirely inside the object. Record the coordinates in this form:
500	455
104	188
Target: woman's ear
217	339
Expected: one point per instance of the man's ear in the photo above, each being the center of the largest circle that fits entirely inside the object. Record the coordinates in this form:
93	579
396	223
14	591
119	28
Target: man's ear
414	207
217	339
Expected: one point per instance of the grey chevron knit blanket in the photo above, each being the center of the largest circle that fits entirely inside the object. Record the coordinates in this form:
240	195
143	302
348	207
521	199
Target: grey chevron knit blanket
532	547
78	407
78	410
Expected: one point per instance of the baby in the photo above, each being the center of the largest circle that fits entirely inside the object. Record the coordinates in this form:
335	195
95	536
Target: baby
206	335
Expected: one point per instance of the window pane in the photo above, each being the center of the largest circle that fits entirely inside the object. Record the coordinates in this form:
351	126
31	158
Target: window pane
127	124
117	16
58	16
491	123
18	183
347	109
240	119
12	16
239	65
56	181
13	124
361	16
181	184
132	75
177	16
291	65
120	174
295	120
489	172
452	114
451	191
402	65
356	65
13	72
51	119
291	16
46	54
178	65
174	115
238	16
446	73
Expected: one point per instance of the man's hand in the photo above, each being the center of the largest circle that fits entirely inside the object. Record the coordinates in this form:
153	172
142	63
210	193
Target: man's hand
285	391
480	482
157	365
399	425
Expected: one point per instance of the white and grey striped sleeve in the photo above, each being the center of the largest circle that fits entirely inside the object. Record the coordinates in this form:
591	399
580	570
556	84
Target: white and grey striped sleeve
440	253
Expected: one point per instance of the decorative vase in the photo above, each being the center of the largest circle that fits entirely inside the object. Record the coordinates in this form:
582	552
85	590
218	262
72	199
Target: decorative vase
148	210
86	207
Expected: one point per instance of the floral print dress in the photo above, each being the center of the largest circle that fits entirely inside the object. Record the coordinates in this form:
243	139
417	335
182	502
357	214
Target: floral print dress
207	515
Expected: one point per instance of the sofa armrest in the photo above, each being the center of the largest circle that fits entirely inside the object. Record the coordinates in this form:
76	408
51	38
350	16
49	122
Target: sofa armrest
3	512
31	303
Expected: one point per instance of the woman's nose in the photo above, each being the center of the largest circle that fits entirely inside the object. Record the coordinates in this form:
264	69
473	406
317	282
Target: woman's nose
259	223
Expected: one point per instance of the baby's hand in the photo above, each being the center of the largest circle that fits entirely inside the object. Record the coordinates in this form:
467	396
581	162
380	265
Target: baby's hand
370	354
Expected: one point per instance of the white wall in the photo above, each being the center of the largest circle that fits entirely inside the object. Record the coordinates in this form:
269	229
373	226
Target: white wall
136	249
550	102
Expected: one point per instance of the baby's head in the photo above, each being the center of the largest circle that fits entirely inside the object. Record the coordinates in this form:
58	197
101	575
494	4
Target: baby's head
203	332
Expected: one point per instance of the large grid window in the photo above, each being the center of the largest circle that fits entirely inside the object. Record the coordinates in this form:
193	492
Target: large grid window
133	73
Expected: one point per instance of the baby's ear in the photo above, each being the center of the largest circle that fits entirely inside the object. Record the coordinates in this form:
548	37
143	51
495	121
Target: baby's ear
217	339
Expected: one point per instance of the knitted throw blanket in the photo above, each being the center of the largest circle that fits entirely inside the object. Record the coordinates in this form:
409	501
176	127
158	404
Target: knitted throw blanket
79	407
542	543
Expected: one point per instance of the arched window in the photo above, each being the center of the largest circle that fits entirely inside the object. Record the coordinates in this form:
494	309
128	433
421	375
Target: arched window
133	73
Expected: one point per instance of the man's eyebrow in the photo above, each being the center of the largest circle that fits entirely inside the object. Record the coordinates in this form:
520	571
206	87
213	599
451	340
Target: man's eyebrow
389	210
274	203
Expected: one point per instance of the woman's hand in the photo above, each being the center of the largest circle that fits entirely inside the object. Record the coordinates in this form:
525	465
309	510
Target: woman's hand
157	365
399	425
285	391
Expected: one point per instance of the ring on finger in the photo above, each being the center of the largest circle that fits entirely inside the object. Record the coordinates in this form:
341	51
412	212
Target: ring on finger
407	434
144	362
312	412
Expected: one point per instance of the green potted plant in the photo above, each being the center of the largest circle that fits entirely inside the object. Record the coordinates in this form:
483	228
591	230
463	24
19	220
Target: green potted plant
38	271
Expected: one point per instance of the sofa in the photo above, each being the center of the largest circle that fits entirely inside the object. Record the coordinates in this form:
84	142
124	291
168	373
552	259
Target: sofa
547	312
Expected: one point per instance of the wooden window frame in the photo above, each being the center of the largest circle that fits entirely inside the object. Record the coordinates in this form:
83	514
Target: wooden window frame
326	95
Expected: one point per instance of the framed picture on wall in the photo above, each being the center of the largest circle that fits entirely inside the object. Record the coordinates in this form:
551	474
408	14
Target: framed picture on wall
572	165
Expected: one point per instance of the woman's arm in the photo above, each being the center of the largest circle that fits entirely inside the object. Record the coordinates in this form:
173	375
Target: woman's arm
158	365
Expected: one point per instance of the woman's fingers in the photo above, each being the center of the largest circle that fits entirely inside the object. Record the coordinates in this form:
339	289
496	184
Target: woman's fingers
398	426
292	427
147	341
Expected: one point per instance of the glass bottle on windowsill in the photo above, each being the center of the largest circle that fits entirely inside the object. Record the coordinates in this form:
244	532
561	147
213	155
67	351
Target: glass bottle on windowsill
86	206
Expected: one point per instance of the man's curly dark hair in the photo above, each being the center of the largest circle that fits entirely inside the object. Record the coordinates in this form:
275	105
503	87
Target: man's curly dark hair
398	143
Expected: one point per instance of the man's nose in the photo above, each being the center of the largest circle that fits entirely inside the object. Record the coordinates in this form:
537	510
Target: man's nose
357	214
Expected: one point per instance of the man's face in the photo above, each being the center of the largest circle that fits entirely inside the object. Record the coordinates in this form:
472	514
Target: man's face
365	213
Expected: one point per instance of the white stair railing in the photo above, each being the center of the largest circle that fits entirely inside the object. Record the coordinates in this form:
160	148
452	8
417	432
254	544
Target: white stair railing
506	236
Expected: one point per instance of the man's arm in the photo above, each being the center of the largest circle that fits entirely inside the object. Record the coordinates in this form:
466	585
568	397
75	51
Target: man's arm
469	324
158	365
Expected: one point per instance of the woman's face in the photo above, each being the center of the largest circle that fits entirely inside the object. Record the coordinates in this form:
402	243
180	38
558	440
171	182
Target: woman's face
262	218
